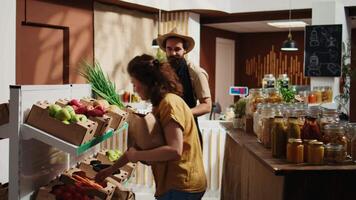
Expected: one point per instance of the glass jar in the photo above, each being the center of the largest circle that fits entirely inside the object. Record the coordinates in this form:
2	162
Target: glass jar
352	132
273	96
295	151
279	138
328	116
324	94
256	120
329	92
255	97
335	134
318	95
334	153
312	97
306	147
295	122
283	81
315	152
268	81
311	129
304	96
266	118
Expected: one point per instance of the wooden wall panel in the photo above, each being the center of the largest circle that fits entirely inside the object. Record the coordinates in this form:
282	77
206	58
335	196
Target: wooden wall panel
353	81
208	37
72	22
259	54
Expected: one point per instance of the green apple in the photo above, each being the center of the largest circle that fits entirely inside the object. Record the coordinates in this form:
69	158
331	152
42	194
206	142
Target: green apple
66	122
74	118
82	118
63	115
53	109
69	108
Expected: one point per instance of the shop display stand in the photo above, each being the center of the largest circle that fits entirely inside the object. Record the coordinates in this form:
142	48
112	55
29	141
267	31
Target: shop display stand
37	157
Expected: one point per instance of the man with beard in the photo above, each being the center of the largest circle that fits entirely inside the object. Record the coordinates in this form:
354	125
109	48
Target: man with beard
193	78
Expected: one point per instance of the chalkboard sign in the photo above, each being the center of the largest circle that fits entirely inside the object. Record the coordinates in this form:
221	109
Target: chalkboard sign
323	50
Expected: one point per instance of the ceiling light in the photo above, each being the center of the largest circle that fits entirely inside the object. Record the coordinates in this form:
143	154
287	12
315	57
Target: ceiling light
289	44
154	41
288	24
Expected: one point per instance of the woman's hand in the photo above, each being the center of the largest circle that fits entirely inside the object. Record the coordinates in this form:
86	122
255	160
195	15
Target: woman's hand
102	174
131	154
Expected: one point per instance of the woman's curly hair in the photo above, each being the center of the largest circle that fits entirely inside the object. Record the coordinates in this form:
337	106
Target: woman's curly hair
159	78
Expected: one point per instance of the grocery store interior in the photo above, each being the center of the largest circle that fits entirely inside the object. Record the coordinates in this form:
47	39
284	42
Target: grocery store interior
281	123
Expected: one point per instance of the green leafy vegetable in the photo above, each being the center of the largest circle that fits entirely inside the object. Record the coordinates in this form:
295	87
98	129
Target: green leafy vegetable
101	84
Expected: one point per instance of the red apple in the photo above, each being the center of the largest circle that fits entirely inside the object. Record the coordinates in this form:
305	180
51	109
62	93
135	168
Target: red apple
81	110
75	102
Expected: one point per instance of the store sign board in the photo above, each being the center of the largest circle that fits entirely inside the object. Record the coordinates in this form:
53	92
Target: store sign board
238	91
323	48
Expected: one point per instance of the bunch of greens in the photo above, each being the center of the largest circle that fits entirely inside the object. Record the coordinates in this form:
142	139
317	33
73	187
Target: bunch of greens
240	107
100	84
288	94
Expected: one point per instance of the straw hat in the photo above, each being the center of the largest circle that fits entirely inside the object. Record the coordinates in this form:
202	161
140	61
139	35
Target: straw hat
174	33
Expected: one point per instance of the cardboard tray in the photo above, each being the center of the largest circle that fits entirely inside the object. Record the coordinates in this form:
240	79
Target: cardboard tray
105	193
103	124
44	193
74	133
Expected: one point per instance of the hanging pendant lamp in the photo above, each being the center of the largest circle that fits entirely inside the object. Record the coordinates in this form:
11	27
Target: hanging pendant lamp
154	41
289	44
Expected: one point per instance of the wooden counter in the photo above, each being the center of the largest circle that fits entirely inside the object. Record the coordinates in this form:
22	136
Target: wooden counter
251	173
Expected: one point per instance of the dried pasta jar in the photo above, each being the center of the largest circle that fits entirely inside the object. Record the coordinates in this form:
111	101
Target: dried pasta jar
329	92
295	123
266	121
255	97
256	120
335	134
306	147
268	81
279	138
273	96
324	94
315	152
334	153
295	151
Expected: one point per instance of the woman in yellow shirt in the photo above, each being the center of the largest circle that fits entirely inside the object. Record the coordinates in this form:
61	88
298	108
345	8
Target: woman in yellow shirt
177	166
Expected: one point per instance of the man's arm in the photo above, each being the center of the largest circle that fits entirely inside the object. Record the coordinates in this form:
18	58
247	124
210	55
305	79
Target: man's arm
203	108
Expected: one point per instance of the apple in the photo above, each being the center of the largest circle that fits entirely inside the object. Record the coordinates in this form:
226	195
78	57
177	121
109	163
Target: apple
105	104
53	109
81	110
69	108
95	113
75	102
82	118
114	108
63	115
100	107
74	118
65	122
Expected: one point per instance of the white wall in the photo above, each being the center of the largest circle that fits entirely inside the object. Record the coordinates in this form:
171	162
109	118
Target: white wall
194	32
7	47
231	6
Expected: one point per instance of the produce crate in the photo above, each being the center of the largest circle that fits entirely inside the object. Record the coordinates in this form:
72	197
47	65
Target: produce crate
103	124
4	191
75	133
4	113
122	193
62	102
44	193
115	178
118	119
87	101
129	167
104	193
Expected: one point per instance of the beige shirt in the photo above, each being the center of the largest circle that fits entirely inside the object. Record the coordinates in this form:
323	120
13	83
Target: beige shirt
199	78
186	174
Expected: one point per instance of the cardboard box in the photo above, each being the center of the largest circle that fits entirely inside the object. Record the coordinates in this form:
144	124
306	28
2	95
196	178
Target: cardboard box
129	167
74	133
91	173
4	191
44	193
104	193
62	102
118	118
4	113
103	124
122	193
87	101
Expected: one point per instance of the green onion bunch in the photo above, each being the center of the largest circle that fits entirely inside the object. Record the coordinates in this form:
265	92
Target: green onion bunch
100	84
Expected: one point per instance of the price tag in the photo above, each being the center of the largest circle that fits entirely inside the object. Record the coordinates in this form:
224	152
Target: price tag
238	91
